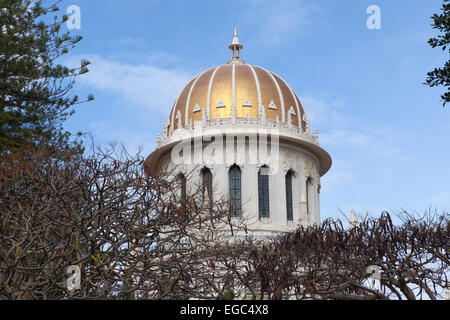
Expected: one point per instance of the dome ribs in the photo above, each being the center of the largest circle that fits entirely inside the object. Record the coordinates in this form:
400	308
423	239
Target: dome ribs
208	97
289	99
181	103
197	97
269	92
221	89
246	91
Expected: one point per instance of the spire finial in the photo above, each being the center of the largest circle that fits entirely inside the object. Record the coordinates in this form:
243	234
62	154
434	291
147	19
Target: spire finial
235	48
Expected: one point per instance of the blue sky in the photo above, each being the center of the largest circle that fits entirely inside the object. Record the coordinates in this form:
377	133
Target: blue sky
387	133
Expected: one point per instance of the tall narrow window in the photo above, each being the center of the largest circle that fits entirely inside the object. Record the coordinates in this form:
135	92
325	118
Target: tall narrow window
181	185
289	209
309	195
263	192
207	184
234	175
182	182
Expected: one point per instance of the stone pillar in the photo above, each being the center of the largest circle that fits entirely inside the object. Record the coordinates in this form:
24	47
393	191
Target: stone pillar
220	182
317	205
303	219
193	180
296	196
311	200
250	192
277	198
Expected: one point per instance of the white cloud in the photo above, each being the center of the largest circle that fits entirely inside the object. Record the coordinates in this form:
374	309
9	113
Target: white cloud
133	140
345	138
339	175
338	130
144	85
379	144
325	114
440	198
278	19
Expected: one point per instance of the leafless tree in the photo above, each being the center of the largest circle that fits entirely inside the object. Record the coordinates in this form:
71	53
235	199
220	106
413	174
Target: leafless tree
128	233
139	237
332	262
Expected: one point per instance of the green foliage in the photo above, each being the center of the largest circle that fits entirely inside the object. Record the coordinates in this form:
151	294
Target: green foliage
441	76
35	96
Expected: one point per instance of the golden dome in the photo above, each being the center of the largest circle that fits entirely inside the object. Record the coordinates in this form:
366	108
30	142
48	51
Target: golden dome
245	86
251	89
260	98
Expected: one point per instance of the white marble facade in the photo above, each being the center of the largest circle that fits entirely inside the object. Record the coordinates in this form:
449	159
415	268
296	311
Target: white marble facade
284	156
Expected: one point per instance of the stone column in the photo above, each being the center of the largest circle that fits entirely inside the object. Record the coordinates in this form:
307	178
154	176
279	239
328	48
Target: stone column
250	192
303	219
220	182
296	196
317	213
277	196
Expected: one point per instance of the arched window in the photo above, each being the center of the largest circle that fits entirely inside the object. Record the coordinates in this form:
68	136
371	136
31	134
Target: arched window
234	178
182	185
263	192
309	195
207	184
289	208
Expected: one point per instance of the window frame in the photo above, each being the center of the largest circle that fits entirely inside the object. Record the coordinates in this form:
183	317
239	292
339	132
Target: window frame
289	195
235	190
263	194
207	181
309	186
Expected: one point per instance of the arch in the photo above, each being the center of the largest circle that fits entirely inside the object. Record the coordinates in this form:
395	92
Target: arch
289	205
234	188
263	192
207	184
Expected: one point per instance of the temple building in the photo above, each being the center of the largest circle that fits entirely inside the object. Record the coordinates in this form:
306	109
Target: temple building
241	132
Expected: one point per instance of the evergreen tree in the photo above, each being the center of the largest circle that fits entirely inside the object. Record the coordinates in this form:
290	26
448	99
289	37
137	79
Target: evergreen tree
35	91
441	76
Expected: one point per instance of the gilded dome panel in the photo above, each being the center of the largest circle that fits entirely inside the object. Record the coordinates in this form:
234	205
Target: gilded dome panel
221	93
269	93
246	91
289	101
180	106
199	96
303	111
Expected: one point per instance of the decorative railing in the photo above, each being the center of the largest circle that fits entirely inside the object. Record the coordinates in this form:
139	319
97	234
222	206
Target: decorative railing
170	135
